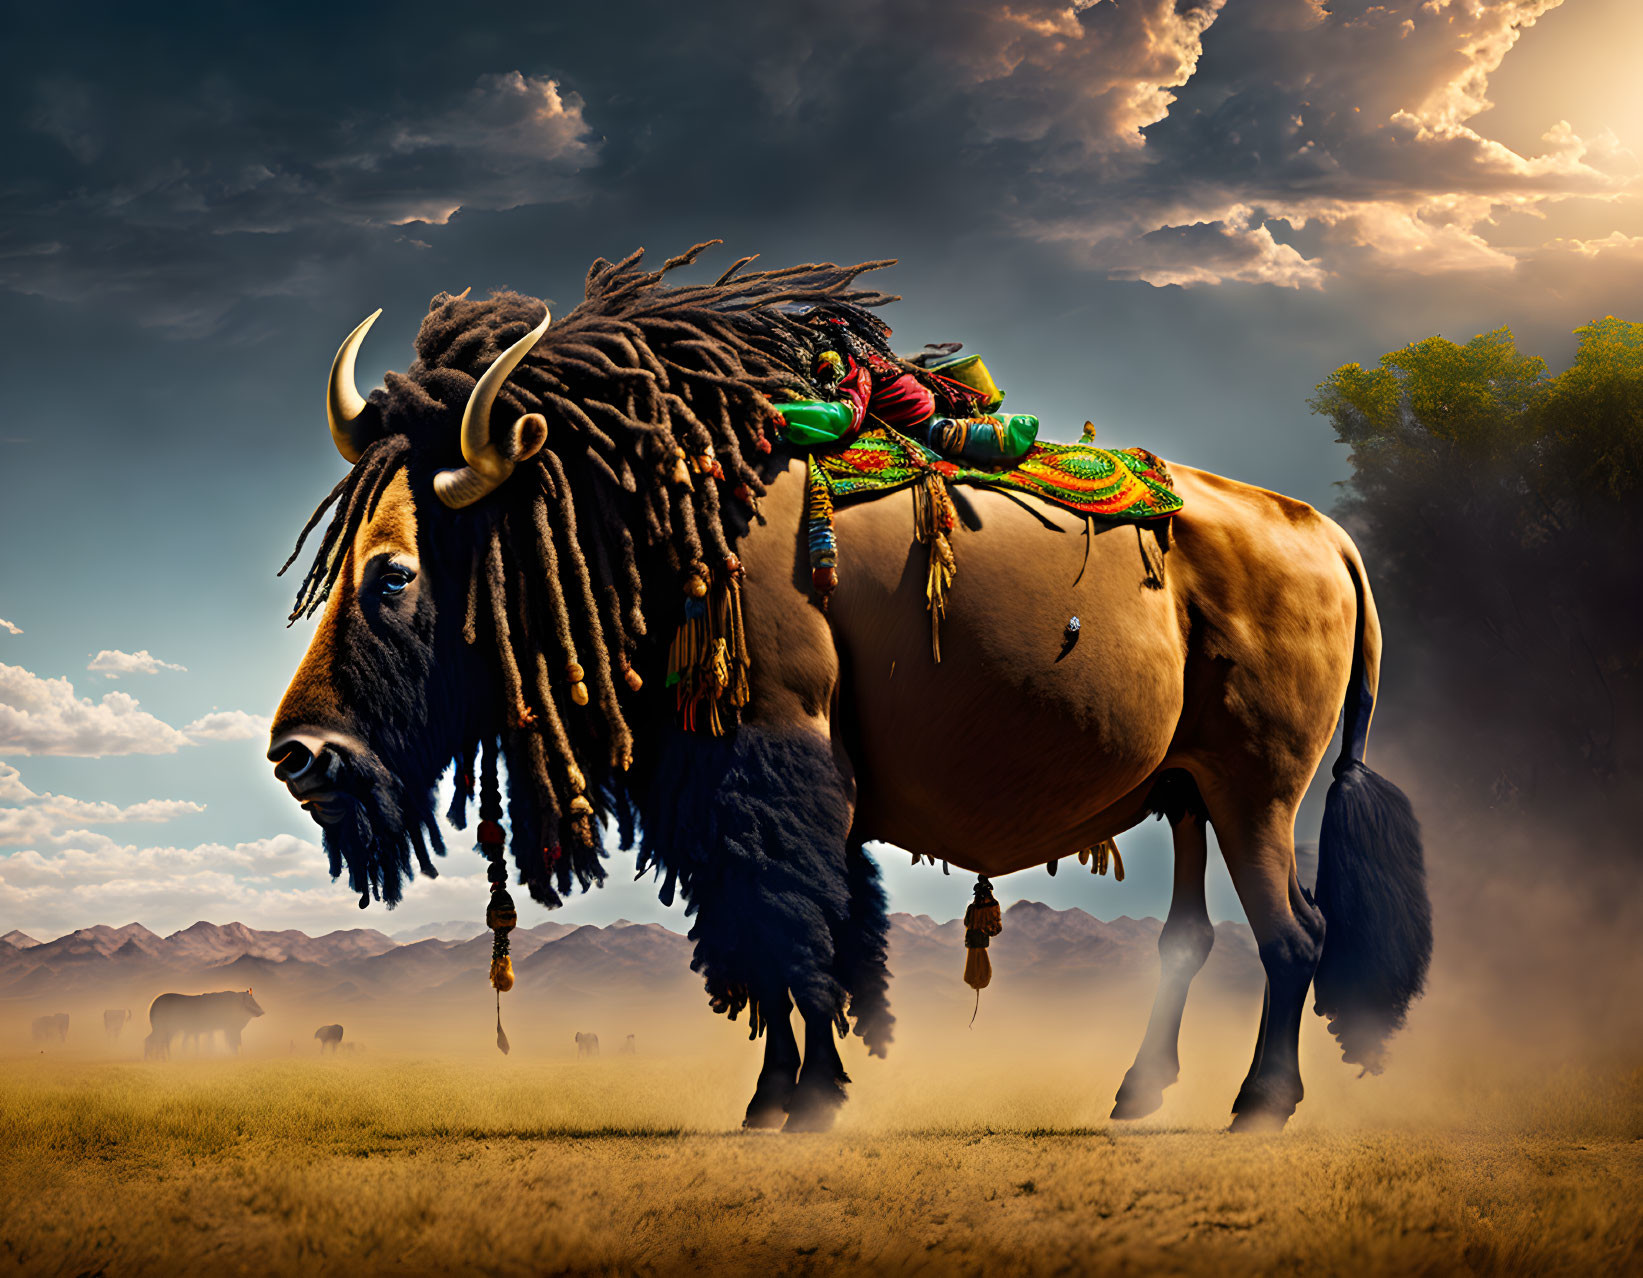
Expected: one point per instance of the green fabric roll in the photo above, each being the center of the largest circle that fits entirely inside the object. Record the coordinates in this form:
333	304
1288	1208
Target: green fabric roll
816	421
1019	434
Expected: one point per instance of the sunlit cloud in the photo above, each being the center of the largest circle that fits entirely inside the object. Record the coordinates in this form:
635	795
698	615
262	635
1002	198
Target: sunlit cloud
43	716
114	663
229	725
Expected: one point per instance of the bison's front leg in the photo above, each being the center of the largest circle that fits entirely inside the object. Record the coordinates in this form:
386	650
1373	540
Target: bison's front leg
820	1092
773	1095
755	828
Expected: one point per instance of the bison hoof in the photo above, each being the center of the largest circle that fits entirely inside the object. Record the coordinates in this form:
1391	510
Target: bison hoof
1137	1100
1258	1120
1262	1109
814	1111
763	1114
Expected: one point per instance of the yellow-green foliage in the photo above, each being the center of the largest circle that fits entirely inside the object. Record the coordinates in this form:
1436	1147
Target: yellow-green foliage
631	1166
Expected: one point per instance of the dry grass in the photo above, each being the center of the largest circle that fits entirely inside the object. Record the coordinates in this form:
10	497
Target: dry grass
633	1165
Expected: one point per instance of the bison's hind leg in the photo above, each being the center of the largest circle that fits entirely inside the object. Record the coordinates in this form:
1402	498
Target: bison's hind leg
1259	847
1183	948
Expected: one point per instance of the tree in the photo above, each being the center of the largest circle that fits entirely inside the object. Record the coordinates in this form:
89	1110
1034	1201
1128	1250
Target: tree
1500	510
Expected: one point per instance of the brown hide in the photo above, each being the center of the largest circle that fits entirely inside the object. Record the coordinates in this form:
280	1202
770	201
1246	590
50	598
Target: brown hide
1008	754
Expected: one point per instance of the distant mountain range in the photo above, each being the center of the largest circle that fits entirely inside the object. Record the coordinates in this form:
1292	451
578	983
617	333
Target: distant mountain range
1040	949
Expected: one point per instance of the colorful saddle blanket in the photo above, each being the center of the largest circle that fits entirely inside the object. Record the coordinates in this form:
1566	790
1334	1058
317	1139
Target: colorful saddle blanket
1124	485
1121	486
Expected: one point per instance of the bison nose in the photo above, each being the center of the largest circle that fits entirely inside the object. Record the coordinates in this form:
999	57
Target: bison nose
294	754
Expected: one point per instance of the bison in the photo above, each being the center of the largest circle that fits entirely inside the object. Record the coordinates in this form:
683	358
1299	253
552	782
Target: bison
227	1012
114	1020
587	1045
591	551
51	1027
329	1036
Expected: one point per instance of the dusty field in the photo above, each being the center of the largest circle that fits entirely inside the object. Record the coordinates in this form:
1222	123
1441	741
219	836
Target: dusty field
628	1165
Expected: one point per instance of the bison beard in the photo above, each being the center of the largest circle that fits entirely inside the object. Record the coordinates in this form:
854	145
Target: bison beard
383	828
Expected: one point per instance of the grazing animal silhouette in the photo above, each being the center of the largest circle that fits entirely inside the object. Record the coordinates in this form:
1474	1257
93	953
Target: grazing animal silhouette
587	1045
329	1035
628	1047
191	1015
47	1028
114	1020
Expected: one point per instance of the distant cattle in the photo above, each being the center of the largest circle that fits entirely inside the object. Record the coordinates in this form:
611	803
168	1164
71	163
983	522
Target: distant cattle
587	1045
227	1012
115	1020
51	1027
329	1036
628	1048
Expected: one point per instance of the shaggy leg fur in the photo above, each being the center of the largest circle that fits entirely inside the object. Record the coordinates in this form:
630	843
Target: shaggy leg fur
862	946
821	1082
755	829
753	826
1183	947
773	1095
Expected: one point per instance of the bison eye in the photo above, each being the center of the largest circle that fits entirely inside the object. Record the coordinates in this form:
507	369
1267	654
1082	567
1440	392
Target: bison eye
394	580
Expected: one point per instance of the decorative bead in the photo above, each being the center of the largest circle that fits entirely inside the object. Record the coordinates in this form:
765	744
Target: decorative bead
580	806
579	693
763	444
696	588
574	672
824	579
490	832
633	679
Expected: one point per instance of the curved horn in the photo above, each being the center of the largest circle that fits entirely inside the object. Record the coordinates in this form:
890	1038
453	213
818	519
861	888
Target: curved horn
343	403
489	463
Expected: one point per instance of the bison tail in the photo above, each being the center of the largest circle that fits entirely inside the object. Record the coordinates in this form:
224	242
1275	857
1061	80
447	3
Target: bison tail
1371	880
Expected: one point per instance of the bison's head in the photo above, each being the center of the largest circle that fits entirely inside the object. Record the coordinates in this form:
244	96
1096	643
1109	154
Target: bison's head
250	1004
388	692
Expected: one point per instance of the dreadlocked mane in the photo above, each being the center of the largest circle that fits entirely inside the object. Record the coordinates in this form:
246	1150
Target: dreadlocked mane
577	568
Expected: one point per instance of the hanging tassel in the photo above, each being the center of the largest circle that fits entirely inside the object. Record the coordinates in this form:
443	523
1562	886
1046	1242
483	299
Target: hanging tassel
982	921
824	546
1103	854
708	663
933	519
500	915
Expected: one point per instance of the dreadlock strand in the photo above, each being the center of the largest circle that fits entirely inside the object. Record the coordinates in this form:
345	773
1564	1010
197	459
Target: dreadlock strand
548	559
497	592
604	686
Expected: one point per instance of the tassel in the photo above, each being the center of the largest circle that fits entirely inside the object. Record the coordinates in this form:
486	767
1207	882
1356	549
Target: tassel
982	921
824	546
708	663
500	916
1100	856
933	519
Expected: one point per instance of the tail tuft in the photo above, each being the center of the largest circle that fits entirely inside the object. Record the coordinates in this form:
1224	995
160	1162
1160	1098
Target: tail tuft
1372	891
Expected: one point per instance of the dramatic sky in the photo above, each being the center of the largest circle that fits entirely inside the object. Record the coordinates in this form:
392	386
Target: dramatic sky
1171	216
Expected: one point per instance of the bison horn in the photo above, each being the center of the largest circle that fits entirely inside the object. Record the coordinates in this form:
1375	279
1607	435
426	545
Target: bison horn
491	461
344	405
